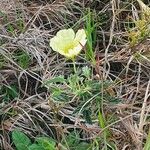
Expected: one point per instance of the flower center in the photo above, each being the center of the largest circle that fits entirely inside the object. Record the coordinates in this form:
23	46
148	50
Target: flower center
69	46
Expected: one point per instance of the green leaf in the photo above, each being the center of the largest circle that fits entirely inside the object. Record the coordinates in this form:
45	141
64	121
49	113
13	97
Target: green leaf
147	144
101	120
46	143
9	92
21	146
10	28
23	60
60	96
87	115
86	71
12	91
72	140
83	146
59	79
36	147
90	31
20	140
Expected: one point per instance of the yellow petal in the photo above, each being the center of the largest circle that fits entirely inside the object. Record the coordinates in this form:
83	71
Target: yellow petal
81	37
54	43
75	51
62	38
67	34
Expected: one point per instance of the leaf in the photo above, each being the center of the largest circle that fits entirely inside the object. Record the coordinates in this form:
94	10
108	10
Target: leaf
23	60
10	28
21	146
87	115
59	79
147	144
20	140
102	124
86	72
101	120
46	143
83	146
60	96
12	91
90	31
9	92
36	147
72	140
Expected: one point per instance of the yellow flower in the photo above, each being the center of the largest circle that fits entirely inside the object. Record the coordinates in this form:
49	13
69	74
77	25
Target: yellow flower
67	43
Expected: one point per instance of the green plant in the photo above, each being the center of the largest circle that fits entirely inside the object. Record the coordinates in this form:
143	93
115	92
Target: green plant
91	31
81	90
147	144
106	133
22	58
20	22
2	60
73	142
139	32
141	29
22	142
13	26
9	92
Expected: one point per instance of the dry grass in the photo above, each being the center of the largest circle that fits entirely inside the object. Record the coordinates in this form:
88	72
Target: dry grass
27	27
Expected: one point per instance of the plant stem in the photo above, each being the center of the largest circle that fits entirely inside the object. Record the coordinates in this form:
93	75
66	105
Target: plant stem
74	66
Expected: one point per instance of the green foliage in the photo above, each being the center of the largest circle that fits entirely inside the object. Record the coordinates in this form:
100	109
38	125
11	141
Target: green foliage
10	28
35	147
9	92
72	142
59	79
85	94
91	29
46	143
82	90
20	22
22	58
2	60
102	124
147	144
13	27
86	72
139	32
22	142
141	29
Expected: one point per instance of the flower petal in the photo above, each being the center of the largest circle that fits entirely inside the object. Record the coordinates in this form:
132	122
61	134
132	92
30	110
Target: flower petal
62	39
81	37
75	51
66	34
54	43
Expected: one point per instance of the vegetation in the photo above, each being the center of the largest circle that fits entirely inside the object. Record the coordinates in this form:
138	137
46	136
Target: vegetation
93	99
